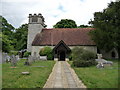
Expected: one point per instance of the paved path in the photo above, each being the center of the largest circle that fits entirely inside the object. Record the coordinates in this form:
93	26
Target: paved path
63	76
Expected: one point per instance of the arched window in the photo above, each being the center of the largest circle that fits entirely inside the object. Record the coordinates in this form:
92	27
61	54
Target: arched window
113	54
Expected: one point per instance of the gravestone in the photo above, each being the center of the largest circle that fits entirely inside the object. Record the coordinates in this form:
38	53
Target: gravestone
17	57
99	56
13	61
25	73
4	57
100	65
8	59
102	62
43	57
29	61
38	58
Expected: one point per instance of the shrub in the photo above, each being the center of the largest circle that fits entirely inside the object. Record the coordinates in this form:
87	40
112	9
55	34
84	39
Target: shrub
83	58
76	53
26	54
83	63
13	53
87	55
82	54
46	51
70	57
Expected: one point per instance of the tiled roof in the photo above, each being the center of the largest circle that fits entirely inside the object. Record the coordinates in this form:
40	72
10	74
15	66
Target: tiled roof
71	37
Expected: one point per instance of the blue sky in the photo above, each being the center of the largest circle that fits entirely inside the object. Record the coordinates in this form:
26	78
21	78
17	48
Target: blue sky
81	11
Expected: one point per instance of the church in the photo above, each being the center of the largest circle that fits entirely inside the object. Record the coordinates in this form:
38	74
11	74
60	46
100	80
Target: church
61	40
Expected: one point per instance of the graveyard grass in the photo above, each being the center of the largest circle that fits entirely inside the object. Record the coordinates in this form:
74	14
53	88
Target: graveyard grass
12	77
93	77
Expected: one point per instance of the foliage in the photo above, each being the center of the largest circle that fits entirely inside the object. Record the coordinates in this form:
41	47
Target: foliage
12	78
70	56
93	77
6	35
6	43
107	24
82	54
83	63
26	54
65	23
84	26
13	38
46	51
21	37
13	52
83	58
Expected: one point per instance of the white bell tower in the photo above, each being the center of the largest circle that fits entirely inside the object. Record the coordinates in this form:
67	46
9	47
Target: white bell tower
35	25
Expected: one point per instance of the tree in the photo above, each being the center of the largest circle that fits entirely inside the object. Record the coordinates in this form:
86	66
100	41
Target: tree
21	37
84	26
65	23
6	43
6	35
107	28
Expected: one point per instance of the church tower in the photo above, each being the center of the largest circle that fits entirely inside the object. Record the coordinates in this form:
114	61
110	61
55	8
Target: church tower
35	25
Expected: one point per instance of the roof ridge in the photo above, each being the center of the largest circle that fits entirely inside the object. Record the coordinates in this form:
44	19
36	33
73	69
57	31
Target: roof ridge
67	28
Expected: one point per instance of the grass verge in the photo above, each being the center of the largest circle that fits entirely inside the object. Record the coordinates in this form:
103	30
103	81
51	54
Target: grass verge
12	77
93	77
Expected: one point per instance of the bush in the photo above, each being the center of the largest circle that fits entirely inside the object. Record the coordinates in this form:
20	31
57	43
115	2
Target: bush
83	58
76	53
26	54
70	57
46	51
13	53
87	55
83	63
81	54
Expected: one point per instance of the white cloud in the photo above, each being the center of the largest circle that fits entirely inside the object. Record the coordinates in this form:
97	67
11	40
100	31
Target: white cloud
17	11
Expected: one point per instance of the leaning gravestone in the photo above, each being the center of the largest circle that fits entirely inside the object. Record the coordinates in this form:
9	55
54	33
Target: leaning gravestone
13	61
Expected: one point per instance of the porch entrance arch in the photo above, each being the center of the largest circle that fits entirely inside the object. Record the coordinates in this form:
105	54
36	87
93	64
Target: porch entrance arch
61	51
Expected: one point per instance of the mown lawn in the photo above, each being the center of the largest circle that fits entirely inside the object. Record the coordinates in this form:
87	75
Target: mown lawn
12	77
93	77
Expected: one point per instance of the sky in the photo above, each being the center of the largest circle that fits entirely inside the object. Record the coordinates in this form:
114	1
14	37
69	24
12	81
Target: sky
81	11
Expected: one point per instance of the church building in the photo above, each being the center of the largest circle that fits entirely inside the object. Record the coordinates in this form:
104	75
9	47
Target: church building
61	40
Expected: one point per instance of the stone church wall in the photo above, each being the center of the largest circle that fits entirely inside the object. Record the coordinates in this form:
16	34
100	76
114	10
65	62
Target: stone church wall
32	31
36	49
113	54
